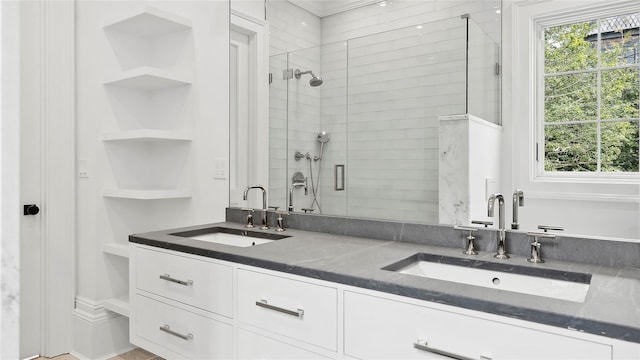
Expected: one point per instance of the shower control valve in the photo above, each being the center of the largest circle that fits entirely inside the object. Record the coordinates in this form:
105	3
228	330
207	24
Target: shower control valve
298	156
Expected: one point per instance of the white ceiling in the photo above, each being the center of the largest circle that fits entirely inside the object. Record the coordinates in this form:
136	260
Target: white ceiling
324	8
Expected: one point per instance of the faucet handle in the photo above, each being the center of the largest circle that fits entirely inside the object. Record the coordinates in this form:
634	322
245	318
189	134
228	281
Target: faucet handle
536	257
470	246
550	227
537	235
249	217
280	220
480	222
465	228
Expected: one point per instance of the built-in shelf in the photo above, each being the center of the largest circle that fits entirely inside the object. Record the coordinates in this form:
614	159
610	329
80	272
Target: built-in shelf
147	78
119	305
146	194
149	135
116	249
149	22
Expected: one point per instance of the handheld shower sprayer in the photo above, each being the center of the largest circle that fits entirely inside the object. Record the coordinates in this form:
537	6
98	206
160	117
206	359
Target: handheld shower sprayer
323	137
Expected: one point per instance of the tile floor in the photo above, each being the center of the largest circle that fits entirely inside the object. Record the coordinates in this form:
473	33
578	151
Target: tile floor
135	354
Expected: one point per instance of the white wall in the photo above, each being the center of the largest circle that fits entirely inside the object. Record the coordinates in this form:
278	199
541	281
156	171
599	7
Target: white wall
253	8
198	54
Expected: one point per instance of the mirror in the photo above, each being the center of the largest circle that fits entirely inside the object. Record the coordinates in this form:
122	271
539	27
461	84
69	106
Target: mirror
358	93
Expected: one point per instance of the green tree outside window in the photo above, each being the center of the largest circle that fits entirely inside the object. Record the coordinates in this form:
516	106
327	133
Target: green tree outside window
592	96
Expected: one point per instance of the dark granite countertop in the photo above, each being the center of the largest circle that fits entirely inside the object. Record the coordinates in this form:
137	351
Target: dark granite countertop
611	307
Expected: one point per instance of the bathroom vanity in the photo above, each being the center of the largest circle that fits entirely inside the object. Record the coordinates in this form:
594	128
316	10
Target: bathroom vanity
313	295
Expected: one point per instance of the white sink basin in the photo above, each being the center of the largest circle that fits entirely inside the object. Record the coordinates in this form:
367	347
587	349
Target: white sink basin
230	236
548	283
231	239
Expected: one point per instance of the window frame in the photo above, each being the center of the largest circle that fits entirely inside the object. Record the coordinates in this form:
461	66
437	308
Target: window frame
566	18
523	63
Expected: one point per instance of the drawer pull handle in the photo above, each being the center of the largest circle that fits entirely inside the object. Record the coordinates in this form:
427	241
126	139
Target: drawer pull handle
167	329
264	304
181	282
422	345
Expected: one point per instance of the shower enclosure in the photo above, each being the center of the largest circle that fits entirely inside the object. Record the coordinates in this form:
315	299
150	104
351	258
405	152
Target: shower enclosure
378	99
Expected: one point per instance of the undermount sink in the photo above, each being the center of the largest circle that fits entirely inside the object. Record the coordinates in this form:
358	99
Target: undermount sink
548	283
230	236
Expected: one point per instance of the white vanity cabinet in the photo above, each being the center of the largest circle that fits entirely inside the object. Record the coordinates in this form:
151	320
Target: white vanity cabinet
200	283
175	332
255	346
297	309
185	306
379	328
181	305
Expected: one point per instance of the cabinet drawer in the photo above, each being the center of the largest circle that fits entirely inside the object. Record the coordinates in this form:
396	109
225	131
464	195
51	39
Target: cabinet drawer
188	334
377	328
202	284
297	309
254	346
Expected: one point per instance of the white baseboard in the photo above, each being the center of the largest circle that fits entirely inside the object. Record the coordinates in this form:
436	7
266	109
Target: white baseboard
98	333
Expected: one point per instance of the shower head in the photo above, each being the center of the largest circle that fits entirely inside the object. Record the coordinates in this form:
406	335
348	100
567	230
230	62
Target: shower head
315	80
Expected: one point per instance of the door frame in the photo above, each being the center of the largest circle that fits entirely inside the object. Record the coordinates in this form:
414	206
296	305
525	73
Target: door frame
258	32
54	64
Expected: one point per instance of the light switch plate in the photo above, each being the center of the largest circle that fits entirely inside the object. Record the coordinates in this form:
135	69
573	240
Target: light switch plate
219	169
83	168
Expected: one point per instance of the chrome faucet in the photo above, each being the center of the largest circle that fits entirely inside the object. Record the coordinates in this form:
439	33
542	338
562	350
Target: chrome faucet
518	200
298	180
293	186
501	252
265	223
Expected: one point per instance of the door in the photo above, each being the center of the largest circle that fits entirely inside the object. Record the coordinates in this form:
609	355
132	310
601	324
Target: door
47	166
30	241
30	193
249	108
240	131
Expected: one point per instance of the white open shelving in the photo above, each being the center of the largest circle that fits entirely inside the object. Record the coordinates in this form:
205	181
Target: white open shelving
146	194
147	78
116	249
148	22
149	135
145	150
119	305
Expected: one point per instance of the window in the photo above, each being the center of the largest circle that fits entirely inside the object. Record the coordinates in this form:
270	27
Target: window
591	103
